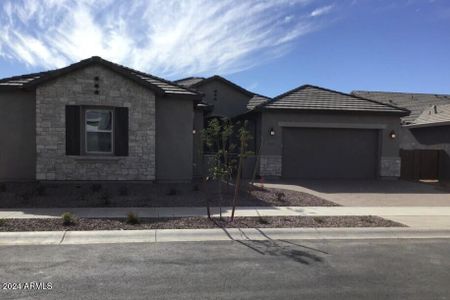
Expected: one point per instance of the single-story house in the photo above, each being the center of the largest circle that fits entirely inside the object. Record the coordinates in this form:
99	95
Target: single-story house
95	120
425	133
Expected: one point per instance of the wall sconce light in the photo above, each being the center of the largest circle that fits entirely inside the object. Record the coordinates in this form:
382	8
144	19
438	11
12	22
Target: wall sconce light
194	131
393	135
271	132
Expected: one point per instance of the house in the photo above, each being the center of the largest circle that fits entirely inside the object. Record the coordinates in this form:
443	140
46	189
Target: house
95	120
425	133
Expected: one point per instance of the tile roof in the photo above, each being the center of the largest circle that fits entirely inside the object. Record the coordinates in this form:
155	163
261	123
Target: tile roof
257	100
160	85
189	81
309	97
414	102
435	114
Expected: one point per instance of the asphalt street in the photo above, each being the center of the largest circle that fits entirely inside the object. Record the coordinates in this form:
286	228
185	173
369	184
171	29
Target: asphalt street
323	269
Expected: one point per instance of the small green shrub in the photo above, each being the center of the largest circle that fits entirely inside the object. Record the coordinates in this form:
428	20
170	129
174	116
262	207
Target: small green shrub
96	187
280	196
262	220
68	219
2	222
123	191
2	188
132	218
318	220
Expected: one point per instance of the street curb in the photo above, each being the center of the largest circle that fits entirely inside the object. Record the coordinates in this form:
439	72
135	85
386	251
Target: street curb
215	234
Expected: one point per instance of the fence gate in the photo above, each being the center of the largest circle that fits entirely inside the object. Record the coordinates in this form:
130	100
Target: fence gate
420	164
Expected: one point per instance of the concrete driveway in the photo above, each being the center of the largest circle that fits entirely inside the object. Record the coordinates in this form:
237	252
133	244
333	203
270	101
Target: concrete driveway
370	192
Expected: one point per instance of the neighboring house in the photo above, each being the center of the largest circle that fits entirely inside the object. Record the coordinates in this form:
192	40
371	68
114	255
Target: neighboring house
95	120
426	128
312	132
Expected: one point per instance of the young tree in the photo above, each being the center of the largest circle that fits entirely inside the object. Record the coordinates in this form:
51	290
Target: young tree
217	138
244	137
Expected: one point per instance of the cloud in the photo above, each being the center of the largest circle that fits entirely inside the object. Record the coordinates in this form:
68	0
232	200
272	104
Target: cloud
322	10
165	37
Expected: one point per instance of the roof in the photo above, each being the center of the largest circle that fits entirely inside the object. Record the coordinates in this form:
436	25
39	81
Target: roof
189	81
257	100
219	78
157	84
417	103
434	115
309	97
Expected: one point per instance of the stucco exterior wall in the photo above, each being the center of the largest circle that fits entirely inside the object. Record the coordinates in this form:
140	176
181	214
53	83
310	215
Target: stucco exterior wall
227	101
271	146
174	139
77	88
17	136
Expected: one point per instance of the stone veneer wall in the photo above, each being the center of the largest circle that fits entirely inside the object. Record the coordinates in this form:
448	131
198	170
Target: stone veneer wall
77	88
390	166
270	165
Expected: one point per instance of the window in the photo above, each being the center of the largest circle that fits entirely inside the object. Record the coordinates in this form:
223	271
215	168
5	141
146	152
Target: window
96	130
99	131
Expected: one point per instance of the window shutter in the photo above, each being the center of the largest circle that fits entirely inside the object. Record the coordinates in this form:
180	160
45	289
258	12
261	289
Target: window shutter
73	130
121	131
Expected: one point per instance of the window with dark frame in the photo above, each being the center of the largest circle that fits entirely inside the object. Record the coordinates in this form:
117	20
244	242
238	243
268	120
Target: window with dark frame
96	130
98	127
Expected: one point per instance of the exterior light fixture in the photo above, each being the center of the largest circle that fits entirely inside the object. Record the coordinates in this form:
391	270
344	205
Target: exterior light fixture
194	131
393	135
272	132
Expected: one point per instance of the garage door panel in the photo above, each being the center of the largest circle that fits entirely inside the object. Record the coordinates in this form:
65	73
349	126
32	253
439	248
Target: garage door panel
329	153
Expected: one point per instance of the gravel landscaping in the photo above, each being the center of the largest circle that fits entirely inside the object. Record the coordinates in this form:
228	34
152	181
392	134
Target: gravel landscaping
40	195
195	223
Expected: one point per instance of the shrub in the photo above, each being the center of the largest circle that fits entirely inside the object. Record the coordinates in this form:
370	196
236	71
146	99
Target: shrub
132	218
280	196
123	191
318	220
262	220
2	222
68	219
2	188
96	187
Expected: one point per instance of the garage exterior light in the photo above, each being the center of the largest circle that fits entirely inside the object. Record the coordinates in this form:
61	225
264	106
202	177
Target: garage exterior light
393	135
272	132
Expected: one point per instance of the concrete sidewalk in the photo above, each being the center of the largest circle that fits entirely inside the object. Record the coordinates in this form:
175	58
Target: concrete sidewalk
231	234
165	212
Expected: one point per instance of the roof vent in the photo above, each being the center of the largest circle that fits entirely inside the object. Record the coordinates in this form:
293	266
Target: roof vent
434	109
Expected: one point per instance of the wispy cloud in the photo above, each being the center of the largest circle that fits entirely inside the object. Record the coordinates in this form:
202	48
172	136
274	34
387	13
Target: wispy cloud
322	11
166	37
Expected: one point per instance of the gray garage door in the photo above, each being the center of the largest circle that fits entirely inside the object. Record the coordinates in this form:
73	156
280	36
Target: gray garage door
329	153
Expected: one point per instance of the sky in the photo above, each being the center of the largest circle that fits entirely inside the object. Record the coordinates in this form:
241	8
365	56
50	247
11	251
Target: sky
266	46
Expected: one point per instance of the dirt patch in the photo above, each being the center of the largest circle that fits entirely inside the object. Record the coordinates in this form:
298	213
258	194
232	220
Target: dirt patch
196	223
35	195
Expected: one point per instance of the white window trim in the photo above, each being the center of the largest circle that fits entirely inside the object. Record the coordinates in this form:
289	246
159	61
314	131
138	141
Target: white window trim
108	131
